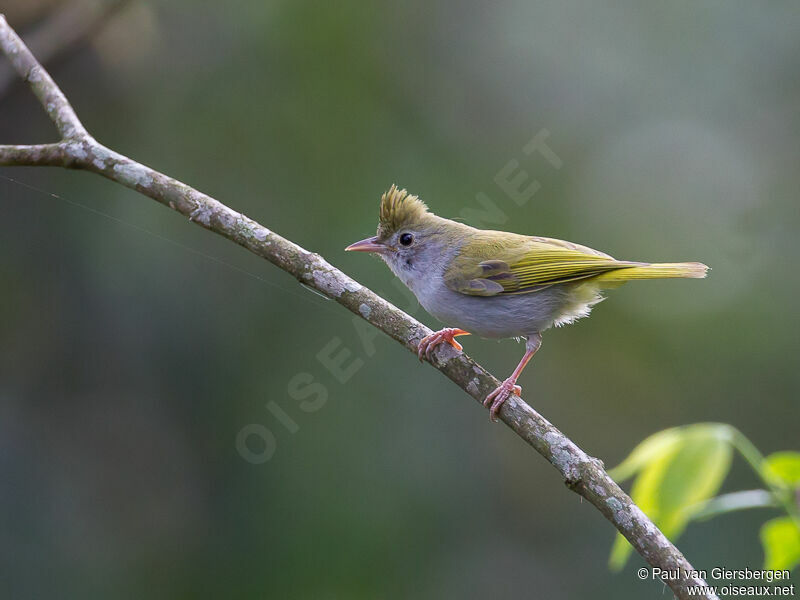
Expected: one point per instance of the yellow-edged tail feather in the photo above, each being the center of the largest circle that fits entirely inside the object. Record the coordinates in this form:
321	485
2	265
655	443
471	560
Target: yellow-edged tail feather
691	270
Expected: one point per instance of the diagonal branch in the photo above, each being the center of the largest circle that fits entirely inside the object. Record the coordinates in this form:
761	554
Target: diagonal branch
582	474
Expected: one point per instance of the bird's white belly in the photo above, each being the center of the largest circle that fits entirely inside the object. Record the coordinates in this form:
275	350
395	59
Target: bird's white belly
494	316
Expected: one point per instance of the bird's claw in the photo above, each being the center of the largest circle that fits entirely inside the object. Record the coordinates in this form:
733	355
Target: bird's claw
430	342
494	401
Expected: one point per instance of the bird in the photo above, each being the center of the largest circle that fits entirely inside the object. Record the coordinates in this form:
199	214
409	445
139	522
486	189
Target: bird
496	284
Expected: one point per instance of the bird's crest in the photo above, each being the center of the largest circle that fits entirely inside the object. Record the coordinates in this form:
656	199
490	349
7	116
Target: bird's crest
399	209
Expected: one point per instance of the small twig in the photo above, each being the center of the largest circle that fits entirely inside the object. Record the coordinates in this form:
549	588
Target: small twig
53	155
582	474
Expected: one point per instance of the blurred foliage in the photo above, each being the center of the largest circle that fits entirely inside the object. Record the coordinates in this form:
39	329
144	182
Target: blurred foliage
676	471
23	13
781	540
135	346
679	470
783	468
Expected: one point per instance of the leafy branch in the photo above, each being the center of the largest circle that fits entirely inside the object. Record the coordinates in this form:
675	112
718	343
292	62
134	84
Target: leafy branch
679	470
581	473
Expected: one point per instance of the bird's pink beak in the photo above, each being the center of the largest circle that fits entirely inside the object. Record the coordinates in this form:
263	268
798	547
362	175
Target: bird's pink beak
367	245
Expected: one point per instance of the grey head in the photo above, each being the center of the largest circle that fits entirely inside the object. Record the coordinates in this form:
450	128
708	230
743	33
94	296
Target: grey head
415	244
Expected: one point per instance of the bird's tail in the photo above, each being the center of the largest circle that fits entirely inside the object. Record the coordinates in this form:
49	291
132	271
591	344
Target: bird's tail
692	270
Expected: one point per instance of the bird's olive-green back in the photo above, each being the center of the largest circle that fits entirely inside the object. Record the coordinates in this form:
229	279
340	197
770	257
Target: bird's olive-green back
496	262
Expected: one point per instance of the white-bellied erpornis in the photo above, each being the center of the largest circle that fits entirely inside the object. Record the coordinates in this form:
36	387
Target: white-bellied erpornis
496	284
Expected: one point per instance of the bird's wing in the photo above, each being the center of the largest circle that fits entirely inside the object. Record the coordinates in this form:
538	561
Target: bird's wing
494	263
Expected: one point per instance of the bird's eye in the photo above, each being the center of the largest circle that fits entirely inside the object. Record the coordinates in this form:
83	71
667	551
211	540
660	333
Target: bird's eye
406	239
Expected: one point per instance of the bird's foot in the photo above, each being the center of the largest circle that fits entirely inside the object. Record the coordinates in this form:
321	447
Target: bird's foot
495	399
429	342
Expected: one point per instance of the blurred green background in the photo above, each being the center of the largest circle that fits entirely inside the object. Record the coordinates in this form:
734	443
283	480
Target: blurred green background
135	347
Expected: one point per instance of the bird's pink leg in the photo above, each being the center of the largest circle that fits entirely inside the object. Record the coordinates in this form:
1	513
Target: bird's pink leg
494	401
429	342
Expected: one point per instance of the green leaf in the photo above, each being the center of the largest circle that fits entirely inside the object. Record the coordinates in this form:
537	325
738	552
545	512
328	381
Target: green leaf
645	494
695	475
783	467
781	540
678	470
651	448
